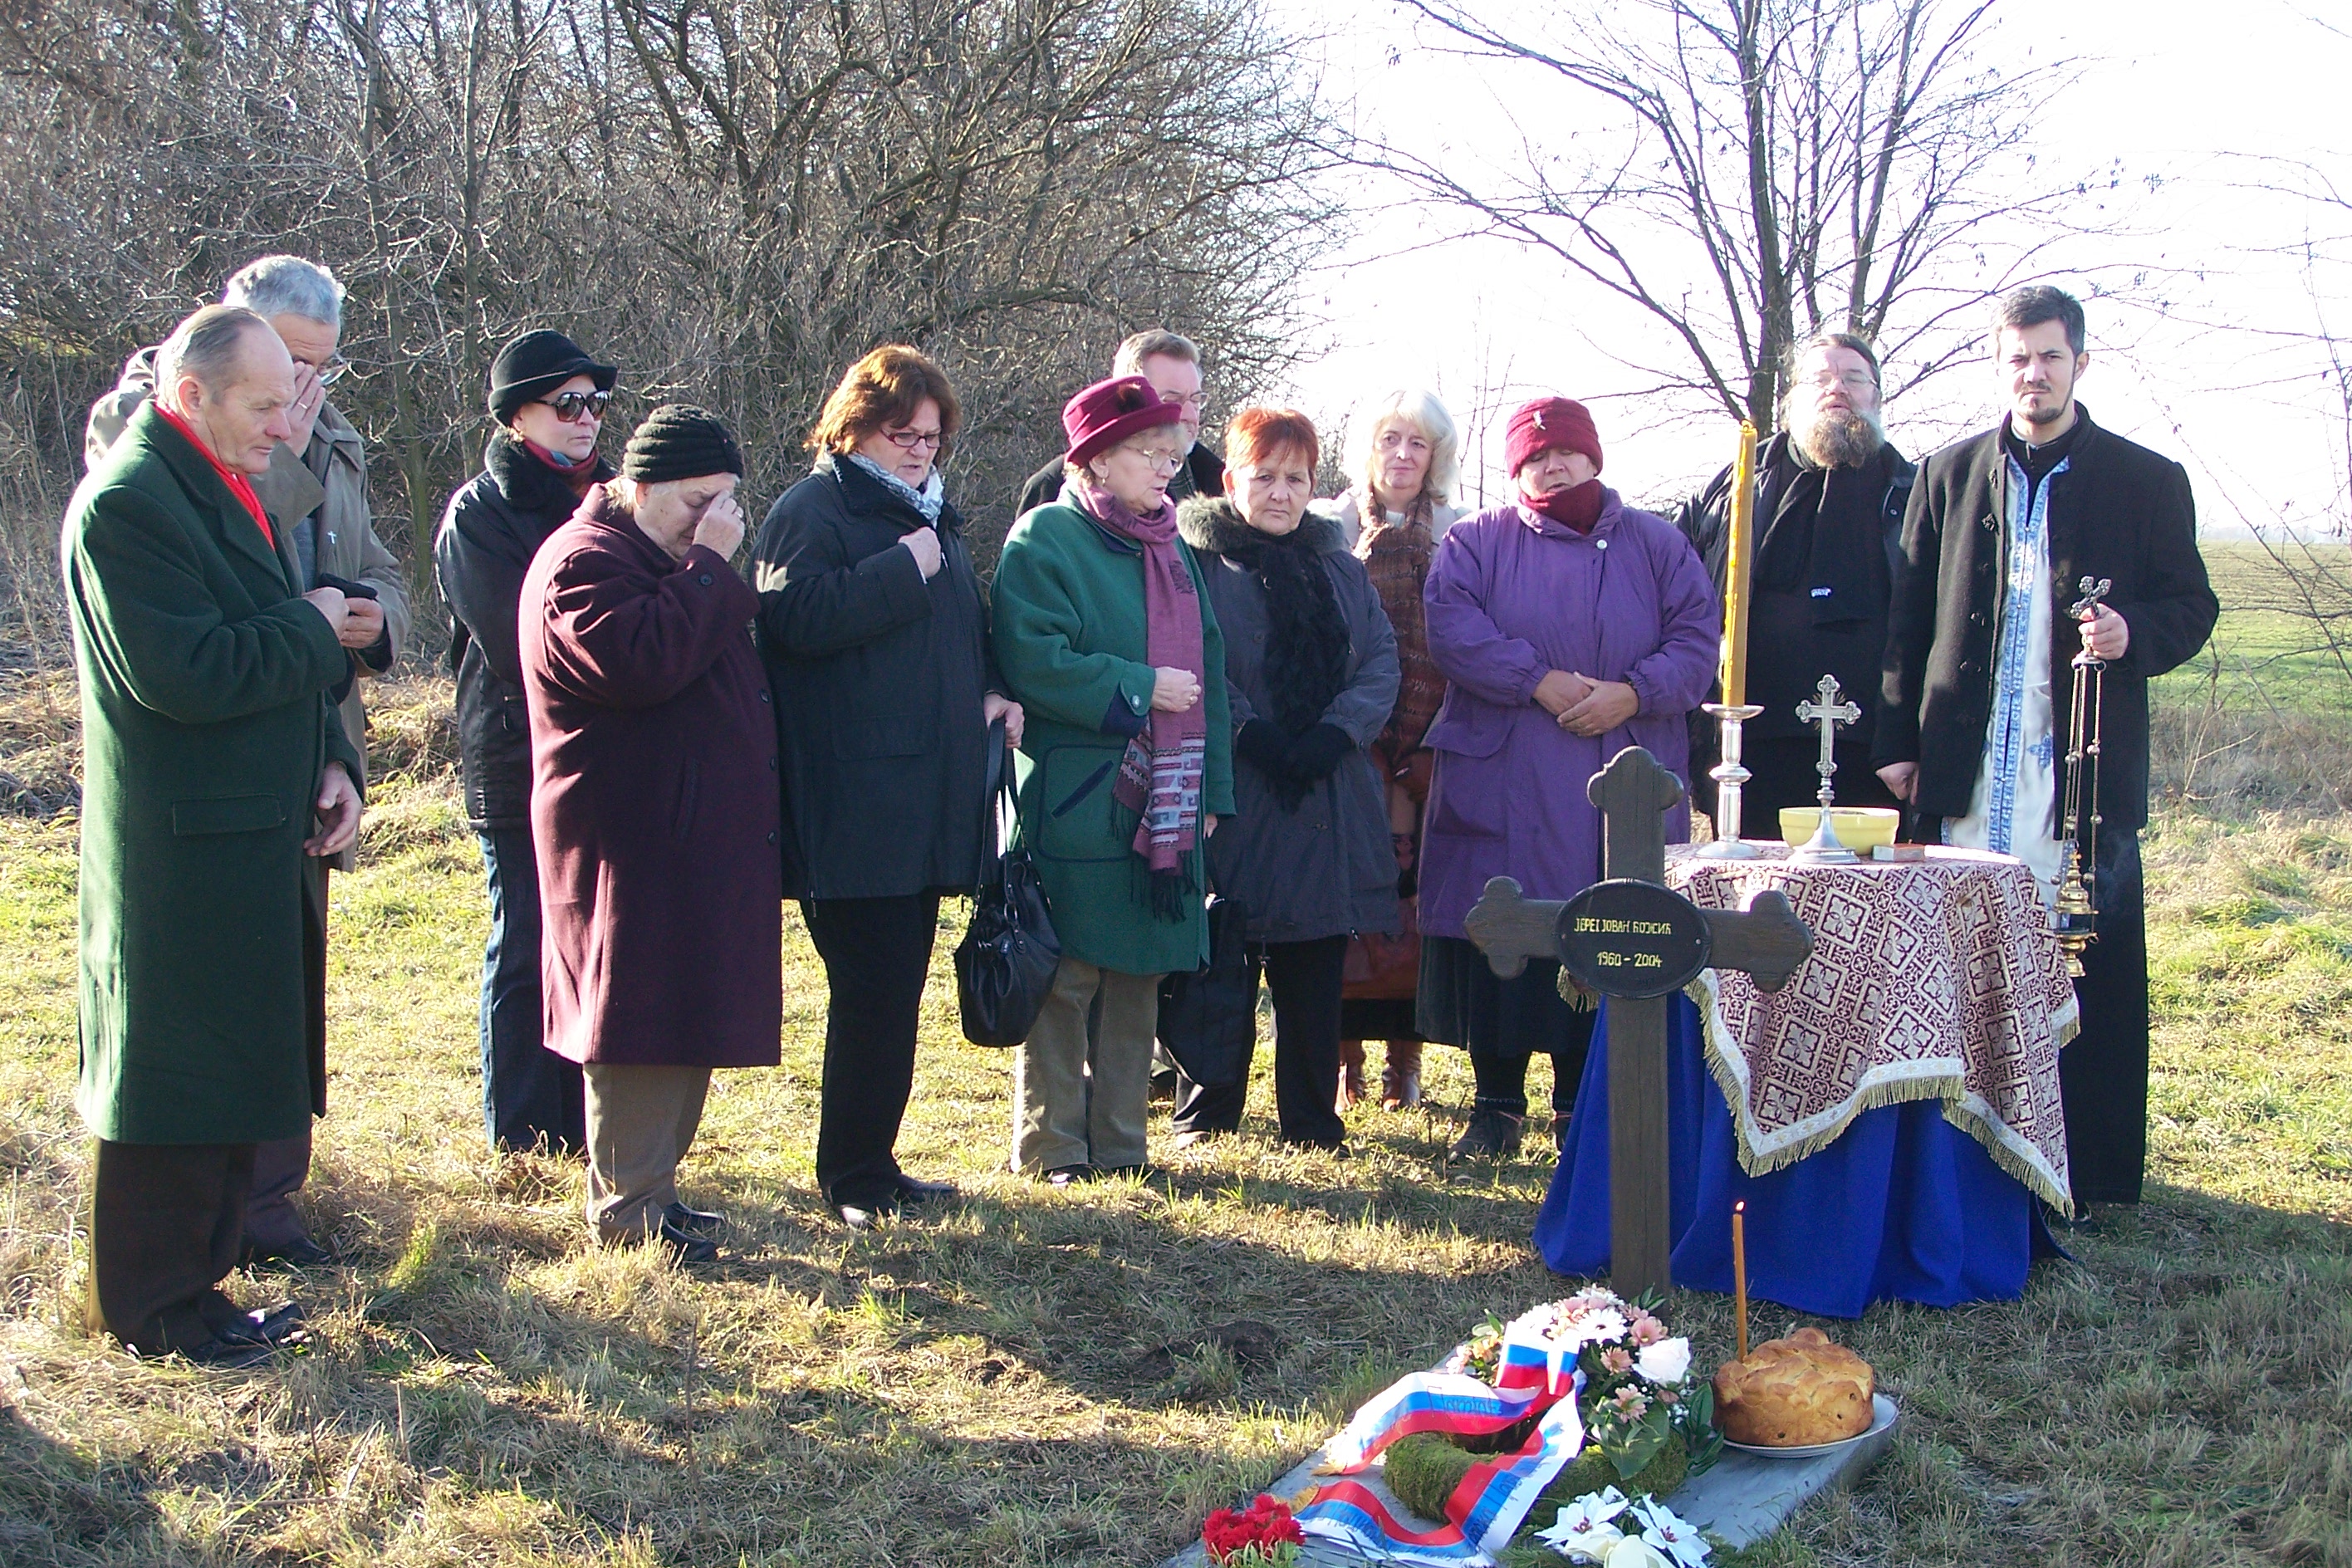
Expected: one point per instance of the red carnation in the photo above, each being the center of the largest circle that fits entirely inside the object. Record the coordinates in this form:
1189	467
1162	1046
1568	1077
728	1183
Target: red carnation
1263	1533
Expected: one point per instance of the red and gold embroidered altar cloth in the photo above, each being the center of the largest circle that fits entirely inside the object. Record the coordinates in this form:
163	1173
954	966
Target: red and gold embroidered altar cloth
1935	978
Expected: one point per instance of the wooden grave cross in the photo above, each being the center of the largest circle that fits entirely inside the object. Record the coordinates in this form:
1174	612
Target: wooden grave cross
1636	941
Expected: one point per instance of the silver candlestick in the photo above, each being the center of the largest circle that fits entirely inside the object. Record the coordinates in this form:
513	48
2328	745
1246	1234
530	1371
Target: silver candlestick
1829	712
1729	776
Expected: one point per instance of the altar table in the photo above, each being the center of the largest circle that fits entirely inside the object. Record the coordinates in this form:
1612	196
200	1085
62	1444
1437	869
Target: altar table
1891	1116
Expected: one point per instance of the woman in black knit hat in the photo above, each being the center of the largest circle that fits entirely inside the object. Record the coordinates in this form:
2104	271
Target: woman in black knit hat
548	395
654	807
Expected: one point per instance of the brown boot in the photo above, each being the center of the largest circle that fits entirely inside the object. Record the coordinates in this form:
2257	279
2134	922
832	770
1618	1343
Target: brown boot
1351	1072
1400	1078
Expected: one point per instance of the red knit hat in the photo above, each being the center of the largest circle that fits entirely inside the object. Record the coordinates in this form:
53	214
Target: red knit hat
1109	412
1546	423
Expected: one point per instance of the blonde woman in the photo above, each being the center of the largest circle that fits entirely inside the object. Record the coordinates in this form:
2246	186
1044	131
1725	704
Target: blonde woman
1405	455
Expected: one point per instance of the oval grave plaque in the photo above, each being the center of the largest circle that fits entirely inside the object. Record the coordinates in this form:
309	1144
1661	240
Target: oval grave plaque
1633	939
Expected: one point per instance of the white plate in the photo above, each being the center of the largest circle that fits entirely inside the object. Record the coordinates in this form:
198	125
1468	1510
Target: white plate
1882	1416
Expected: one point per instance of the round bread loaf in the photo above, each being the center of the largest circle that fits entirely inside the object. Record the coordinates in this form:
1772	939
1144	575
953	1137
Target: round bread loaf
1793	1393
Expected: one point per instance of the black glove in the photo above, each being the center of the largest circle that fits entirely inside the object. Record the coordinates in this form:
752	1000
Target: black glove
1262	743
1316	754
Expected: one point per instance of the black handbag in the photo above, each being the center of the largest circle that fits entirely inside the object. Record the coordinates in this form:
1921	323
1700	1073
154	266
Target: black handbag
1005	965
1208	1019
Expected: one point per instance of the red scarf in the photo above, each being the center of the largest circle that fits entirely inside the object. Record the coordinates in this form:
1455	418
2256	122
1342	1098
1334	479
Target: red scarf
1576	507
579	475
238	485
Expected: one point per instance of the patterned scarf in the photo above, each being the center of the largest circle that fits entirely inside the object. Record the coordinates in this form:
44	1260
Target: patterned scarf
1160	775
1397	554
926	501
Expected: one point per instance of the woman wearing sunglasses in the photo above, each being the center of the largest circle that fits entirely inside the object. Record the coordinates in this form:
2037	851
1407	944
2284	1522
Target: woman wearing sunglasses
547	397
875	636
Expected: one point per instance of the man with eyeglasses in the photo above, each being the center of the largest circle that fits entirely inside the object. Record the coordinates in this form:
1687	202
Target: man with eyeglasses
1829	494
1171	364
316	497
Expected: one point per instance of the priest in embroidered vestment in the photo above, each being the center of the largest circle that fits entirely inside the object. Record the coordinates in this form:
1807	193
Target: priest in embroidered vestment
2000	530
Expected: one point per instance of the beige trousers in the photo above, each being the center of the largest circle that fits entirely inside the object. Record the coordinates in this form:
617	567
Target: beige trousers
641	1122
1082	1085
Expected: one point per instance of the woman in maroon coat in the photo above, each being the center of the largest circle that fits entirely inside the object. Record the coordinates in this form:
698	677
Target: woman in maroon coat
654	804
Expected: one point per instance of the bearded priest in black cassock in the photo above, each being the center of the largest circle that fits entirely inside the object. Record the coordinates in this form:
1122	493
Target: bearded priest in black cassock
2000	530
1829	497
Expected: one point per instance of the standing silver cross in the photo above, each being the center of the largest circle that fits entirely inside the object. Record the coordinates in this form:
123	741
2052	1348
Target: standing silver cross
1829	712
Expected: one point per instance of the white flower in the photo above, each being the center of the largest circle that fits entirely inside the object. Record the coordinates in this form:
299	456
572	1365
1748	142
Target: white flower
1632	1552
1582	1531
1604	1327
1666	1362
1675	1536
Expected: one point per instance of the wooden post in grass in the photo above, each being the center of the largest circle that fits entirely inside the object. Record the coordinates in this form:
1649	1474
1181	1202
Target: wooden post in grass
1636	941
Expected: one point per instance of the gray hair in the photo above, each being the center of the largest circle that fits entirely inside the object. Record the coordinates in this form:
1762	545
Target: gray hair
1421	410
287	286
208	345
1156	344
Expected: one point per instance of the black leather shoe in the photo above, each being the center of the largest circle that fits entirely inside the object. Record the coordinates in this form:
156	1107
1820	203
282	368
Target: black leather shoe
1491	1135
865	1216
913	1194
299	1253
1070	1176
263	1326
229	1354
684	1245
693	1222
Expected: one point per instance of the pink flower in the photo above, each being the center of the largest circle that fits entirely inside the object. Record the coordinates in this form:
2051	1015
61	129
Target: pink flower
1648	1330
1631	1404
1617	1359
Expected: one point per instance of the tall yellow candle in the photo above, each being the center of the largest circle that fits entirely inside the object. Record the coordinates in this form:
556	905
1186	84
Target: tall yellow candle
1738	562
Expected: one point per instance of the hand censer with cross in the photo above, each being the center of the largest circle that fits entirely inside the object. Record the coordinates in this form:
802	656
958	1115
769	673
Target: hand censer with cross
2076	915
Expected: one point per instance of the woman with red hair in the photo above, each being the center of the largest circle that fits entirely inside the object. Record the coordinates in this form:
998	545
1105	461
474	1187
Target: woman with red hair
1310	677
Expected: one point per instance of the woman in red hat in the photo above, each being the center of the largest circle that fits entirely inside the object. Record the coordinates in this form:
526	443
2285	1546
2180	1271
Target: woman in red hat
1104	634
1570	627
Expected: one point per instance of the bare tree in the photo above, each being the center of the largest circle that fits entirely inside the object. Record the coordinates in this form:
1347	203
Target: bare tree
1768	168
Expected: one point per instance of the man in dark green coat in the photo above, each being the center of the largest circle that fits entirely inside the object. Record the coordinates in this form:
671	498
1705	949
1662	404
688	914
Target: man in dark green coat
213	763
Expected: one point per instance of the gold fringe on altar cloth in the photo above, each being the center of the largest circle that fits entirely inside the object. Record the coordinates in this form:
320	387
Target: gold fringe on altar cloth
1897	1083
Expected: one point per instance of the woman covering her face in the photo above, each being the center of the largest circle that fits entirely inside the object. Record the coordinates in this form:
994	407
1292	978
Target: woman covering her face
1104	632
1571	626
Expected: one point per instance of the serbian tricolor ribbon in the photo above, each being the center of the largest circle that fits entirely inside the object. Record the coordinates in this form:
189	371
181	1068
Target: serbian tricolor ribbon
1537	1377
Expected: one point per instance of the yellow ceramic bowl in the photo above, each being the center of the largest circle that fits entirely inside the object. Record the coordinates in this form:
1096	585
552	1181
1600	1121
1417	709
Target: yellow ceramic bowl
1860	828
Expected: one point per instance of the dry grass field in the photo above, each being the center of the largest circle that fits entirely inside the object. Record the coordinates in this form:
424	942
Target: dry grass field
1036	1377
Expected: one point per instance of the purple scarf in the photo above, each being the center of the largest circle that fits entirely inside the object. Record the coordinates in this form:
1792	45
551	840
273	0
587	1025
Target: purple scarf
1159	777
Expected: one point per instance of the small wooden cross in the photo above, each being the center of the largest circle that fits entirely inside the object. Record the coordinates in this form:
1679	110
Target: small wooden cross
1829	712
1767	940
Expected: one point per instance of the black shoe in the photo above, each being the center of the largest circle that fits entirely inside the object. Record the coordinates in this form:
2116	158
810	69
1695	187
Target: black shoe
865	1216
1491	1135
915	1194
1070	1176
1338	1148
684	1245
263	1326
1163	1087
693	1222
299	1253
228	1355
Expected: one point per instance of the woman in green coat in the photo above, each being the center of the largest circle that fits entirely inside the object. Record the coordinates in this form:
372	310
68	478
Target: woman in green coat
1104	634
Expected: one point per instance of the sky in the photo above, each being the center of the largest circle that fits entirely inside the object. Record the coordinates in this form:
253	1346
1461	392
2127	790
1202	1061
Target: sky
2196	97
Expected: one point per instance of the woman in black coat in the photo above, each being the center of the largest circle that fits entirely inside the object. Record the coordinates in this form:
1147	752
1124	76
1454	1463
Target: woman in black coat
876	635
1311	675
549	398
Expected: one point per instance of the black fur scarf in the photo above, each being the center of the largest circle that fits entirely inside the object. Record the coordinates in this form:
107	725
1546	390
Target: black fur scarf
1306	659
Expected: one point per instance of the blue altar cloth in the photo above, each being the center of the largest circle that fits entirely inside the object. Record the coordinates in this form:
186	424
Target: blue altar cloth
1903	1207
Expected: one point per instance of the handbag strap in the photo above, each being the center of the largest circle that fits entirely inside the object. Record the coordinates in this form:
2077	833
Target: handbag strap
999	784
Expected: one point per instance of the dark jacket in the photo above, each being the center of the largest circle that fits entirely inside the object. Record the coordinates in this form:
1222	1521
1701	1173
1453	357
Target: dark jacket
2118	511
653	801
205	724
1793	640
1326	867
878	676
1203	474
491	528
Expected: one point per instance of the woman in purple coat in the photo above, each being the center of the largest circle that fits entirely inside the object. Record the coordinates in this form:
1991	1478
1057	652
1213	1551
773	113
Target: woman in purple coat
1569	626
654	805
